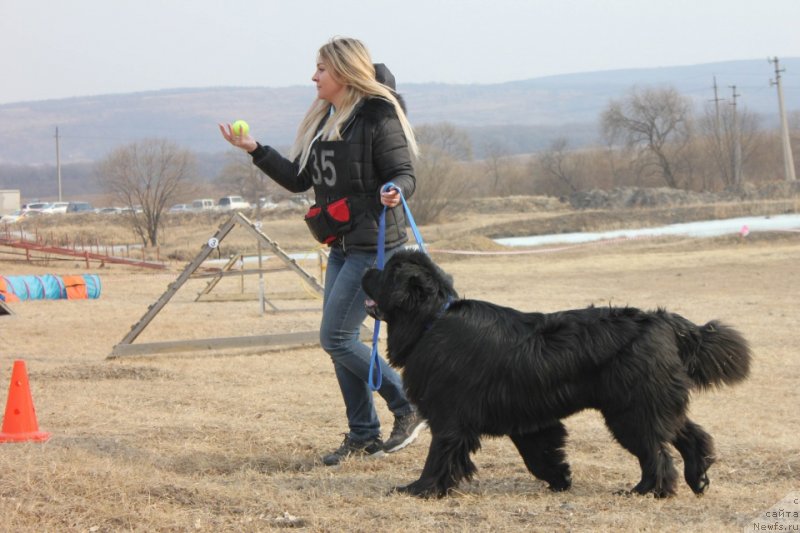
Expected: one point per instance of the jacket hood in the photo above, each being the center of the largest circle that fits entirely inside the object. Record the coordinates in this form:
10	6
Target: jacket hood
385	76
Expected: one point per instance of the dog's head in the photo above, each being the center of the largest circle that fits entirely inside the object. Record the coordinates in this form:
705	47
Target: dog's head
410	286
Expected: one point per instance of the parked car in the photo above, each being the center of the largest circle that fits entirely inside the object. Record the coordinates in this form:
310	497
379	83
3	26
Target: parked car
299	199
232	203
13	218
180	208
108	210
79	207
35	206
267	204
55	208
202	204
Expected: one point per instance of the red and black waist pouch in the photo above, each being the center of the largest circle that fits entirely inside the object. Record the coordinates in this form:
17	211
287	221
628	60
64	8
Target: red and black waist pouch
329	222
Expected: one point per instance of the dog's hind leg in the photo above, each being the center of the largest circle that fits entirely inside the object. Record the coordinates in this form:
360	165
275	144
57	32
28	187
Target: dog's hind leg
697	449
543	453
448	463
639	436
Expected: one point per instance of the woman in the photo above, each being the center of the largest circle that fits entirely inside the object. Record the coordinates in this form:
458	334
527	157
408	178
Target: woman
354	139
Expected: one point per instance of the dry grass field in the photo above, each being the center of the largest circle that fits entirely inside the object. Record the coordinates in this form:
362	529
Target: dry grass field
230	440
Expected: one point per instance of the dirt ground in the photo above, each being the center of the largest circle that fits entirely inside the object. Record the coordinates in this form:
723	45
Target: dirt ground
230	440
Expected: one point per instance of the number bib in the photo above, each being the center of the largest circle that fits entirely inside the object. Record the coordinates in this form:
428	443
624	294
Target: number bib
331	216
330	167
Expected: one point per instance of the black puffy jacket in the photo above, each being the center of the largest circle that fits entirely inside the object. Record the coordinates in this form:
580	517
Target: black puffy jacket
377	153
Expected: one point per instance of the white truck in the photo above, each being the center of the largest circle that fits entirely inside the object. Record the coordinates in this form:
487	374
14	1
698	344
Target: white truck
202	204
232	203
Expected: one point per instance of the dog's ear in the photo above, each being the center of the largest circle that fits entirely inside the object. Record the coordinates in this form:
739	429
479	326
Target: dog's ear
413	287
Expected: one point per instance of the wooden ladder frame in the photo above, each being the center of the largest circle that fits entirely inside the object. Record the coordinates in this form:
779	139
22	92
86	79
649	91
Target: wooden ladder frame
126	346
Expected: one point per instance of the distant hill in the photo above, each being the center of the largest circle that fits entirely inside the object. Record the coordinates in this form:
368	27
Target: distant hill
522	116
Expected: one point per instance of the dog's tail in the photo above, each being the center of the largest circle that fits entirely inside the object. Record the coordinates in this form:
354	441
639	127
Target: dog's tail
714	354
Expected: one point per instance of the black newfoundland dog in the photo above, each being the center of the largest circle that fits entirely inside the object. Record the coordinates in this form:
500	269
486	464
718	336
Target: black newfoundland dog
474	368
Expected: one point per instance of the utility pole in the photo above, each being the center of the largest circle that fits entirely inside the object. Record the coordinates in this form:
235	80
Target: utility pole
716	101
788	160
58	164
737	145
718	131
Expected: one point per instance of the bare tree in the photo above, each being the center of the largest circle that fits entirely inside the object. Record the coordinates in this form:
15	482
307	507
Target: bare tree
438	169
447	138
242	176
499	168
147	176
656	123
559	162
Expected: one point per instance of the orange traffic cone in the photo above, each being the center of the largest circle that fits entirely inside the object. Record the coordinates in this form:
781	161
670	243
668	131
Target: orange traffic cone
19	423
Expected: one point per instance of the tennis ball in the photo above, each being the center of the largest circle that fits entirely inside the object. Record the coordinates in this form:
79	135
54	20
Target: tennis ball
240	127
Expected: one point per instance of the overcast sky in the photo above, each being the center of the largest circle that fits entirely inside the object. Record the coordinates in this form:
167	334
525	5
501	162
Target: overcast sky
63	48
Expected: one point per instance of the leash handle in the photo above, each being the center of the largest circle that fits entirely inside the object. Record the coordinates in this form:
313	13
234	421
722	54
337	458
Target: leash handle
409	217
375	378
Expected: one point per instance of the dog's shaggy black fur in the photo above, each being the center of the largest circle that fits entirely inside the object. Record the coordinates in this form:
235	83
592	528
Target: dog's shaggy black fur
474	368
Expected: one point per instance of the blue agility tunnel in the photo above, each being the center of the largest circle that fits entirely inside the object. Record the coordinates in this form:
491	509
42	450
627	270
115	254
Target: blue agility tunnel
49	287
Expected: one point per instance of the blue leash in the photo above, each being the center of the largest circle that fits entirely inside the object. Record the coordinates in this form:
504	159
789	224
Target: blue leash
375	378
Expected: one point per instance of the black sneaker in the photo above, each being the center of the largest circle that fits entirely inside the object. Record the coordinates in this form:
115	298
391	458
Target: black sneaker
366	448
405	431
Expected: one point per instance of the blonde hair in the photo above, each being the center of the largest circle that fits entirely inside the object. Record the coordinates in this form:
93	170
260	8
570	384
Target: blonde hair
350	64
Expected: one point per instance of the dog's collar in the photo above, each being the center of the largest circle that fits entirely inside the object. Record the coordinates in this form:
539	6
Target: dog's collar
441	312
445	306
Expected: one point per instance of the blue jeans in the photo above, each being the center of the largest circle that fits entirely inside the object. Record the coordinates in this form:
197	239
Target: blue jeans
342	315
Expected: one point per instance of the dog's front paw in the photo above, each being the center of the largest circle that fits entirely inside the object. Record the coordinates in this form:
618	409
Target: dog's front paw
562	484
635	491
560	487
700	485
419	489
